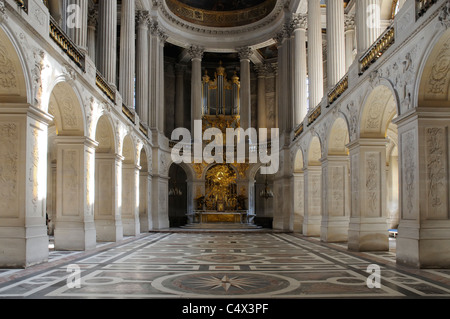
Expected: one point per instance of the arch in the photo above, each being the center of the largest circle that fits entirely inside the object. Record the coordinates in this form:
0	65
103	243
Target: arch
338	138
128	150
105	135
179	195
314	152
434	79
298	161
378	111
13	84
66	108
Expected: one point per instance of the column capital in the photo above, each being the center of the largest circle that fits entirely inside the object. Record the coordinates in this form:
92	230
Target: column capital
142	19
196	52
349	22
162	36
245	53
92	18
299	21
261	70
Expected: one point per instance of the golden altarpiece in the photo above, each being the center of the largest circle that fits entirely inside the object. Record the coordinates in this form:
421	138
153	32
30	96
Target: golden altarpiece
221	192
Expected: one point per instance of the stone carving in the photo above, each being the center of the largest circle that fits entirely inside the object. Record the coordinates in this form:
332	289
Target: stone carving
436	171
375	115
409	171
444	15
337	189
34	168
196	52
70	183
3	15
68	114
355	184
352	116
372	183
439	74
9	156
245	53
7	71
38	67
300	21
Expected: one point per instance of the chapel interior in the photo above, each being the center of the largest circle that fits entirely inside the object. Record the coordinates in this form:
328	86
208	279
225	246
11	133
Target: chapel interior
91	92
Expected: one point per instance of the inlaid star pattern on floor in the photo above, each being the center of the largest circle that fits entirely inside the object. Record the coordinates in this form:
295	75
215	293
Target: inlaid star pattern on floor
222	265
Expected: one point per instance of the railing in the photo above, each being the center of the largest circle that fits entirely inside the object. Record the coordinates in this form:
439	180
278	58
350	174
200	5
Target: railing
338	90
423	5
143	129
299	131
63	41
23	5
104	86
129	114
377	49
315	115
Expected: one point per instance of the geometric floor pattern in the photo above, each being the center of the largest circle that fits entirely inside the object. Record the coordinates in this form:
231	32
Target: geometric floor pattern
222	266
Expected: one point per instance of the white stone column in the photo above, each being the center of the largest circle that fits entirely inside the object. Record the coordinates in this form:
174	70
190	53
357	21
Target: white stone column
77	25
424	231
159	191
245	92
368	229
127	52
179	99
262	113
75	227
130	199
350	41
315	54
300	69
107	41
91	34
153	52
23	173
196	54
142	66
162	37
145	182
299	198
368	23
108	217
335	42
335	199
313	201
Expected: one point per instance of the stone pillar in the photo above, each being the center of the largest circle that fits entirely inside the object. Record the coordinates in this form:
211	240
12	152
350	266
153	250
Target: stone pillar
368	229
300	69
77	24
162	37
107	41
127	52
315	54
145	205
335	42
23	173
160	191
368	23
179	99
75	170
245	92
262	113
130	200
424	232
142	66
349	41
196	55
335	199
108	178
299	198
313	198
153	75
91	34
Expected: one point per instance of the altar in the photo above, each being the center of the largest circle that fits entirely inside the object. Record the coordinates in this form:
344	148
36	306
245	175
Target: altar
212	217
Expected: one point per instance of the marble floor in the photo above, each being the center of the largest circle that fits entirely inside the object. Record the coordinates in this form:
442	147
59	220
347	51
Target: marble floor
214	265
